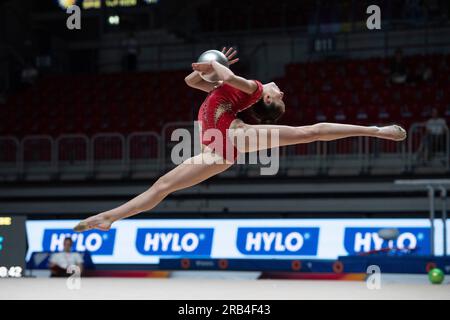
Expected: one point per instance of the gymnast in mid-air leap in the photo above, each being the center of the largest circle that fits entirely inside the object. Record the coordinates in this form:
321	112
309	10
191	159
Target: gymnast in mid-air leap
227	97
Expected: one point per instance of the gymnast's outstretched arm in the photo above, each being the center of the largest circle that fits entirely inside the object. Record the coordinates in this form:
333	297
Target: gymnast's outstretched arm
226	75
194	80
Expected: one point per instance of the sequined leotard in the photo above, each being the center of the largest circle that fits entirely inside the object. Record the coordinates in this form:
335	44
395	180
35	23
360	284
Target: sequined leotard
219	110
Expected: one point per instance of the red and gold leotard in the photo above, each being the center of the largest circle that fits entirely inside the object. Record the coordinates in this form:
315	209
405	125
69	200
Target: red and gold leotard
219	110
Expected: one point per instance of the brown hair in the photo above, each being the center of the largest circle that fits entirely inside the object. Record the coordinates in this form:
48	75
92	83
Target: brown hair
268	113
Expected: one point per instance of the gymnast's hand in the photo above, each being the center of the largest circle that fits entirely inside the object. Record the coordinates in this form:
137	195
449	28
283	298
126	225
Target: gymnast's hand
207	67
203	67
230	54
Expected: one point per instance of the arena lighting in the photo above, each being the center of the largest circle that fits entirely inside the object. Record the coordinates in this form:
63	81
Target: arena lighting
114	20
64	4
98	4
5	221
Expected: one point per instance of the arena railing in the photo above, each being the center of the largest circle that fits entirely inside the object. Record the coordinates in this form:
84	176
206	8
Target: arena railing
73	154
305	158
385	156
344	156
425	150
108	154
76	155
347	157
149	154
10	155
38	156
167	145
143	153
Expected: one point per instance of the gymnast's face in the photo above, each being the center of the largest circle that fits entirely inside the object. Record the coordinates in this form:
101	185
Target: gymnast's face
273	94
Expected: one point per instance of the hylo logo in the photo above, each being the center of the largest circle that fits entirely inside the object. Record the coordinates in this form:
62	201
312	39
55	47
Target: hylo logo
94	241
174	241
367	239
278	241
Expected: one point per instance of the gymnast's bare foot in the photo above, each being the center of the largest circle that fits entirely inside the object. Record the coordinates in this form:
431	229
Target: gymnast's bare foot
99	222
393	132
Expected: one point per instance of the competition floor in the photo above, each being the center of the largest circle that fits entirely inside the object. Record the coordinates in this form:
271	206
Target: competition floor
211	289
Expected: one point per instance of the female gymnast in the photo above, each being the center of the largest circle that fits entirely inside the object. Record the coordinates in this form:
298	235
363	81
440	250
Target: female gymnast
230	95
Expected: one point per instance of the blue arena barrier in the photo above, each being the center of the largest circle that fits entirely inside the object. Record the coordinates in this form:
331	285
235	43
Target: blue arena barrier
345	264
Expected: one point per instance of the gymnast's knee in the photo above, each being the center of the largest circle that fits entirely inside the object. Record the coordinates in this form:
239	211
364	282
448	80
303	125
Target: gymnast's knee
239	125
238	134
309	133
162	187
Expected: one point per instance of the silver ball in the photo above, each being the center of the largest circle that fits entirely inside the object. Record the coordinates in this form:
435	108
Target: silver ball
213	55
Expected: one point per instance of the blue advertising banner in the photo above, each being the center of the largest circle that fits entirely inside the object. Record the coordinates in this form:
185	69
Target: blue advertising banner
135	241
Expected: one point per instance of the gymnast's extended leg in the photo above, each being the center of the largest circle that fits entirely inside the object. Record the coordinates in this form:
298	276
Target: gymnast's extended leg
187	174
288	135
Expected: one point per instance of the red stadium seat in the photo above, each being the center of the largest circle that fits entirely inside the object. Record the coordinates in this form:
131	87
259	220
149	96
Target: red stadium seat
347	90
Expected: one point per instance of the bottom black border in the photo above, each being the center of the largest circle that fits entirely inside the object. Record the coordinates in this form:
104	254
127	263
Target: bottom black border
171	309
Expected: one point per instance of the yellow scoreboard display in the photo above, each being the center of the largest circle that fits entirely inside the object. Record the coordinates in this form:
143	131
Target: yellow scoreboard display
12	246
98	4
